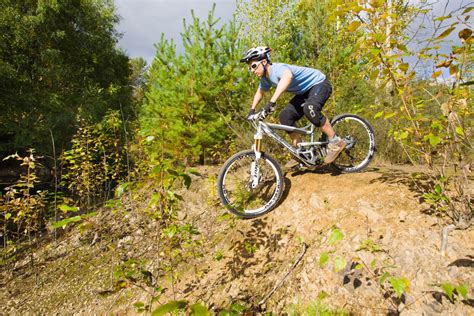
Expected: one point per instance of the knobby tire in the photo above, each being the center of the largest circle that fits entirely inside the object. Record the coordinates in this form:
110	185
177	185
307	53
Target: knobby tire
234	189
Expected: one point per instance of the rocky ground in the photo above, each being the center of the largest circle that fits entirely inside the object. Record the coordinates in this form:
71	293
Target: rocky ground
280	262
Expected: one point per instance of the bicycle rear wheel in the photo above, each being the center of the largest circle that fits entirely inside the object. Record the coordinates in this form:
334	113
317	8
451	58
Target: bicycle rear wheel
360	140
248	187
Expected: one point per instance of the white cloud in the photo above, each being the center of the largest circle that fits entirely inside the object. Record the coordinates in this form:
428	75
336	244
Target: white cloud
143	21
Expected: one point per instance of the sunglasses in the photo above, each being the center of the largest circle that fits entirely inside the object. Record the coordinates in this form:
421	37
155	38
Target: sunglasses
254	66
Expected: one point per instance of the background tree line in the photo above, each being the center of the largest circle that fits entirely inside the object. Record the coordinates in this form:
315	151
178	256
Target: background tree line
59	66
65	89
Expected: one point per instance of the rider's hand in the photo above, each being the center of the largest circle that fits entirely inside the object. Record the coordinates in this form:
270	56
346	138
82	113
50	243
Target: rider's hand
268	109
251	114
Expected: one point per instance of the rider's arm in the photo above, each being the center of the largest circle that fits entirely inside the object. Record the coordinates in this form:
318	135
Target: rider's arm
257	97
283	84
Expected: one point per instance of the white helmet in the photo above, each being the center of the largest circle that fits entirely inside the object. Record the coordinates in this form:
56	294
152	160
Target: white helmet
257	53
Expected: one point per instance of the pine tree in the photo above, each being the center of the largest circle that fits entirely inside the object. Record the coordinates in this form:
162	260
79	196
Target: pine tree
192	96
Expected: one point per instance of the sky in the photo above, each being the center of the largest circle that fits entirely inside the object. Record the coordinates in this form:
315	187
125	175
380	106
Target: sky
143	21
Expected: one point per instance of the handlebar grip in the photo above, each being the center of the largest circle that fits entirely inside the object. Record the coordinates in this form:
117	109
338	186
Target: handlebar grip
256	116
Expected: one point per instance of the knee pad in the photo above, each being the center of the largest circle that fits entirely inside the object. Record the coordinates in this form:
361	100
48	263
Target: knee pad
313	113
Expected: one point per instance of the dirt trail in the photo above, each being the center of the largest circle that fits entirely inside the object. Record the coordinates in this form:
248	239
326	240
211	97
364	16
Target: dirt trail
385	229
380	209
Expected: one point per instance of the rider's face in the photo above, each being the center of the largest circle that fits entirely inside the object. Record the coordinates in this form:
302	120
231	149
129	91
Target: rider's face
257	67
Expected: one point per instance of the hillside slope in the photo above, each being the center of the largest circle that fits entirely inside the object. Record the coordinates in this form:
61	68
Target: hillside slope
274	263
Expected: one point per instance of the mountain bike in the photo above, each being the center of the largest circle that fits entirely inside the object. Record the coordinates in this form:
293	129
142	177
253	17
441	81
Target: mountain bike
251	182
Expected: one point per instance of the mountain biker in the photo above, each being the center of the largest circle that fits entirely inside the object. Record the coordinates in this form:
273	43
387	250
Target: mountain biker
311	89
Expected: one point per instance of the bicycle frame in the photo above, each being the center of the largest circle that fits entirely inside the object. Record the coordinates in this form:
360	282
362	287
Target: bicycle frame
269	129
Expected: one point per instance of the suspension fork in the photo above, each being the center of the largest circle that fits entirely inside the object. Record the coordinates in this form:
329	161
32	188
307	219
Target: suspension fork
257	148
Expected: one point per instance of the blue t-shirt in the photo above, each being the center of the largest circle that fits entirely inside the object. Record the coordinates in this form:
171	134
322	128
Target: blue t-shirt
303	78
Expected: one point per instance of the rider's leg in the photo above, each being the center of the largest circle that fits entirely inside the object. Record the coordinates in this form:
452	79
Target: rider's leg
288	116
327	129
316	98
292	112
318	95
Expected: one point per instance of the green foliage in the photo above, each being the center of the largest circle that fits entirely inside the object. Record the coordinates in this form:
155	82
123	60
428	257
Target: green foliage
67	221
250	248
369	245
454	292
78	218
168	175
387	281
21	207
336	236
58	65
234	309
431	128
315	308
303	32
399	285
332	51
339	263
182	307
94	164
436	197
218	256
323	259
273	23
134	272
191	97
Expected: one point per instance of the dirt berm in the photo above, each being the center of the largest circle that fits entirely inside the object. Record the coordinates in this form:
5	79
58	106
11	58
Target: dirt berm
357	243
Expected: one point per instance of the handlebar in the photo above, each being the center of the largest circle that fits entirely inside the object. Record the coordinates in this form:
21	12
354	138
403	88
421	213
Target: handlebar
256	117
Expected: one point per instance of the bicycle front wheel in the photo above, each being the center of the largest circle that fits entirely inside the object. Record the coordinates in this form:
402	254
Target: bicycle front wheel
249	187
360	140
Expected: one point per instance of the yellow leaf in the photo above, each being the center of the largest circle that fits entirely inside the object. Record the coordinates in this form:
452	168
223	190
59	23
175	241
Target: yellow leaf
465	34
445	63
444	17
374	74
402	47
467	10
453	70
355	8
353	26
458	50
376	3
436	74
459	131
403	67
446	33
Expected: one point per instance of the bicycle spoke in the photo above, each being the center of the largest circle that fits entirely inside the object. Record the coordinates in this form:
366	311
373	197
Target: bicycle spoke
361	143
247	193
